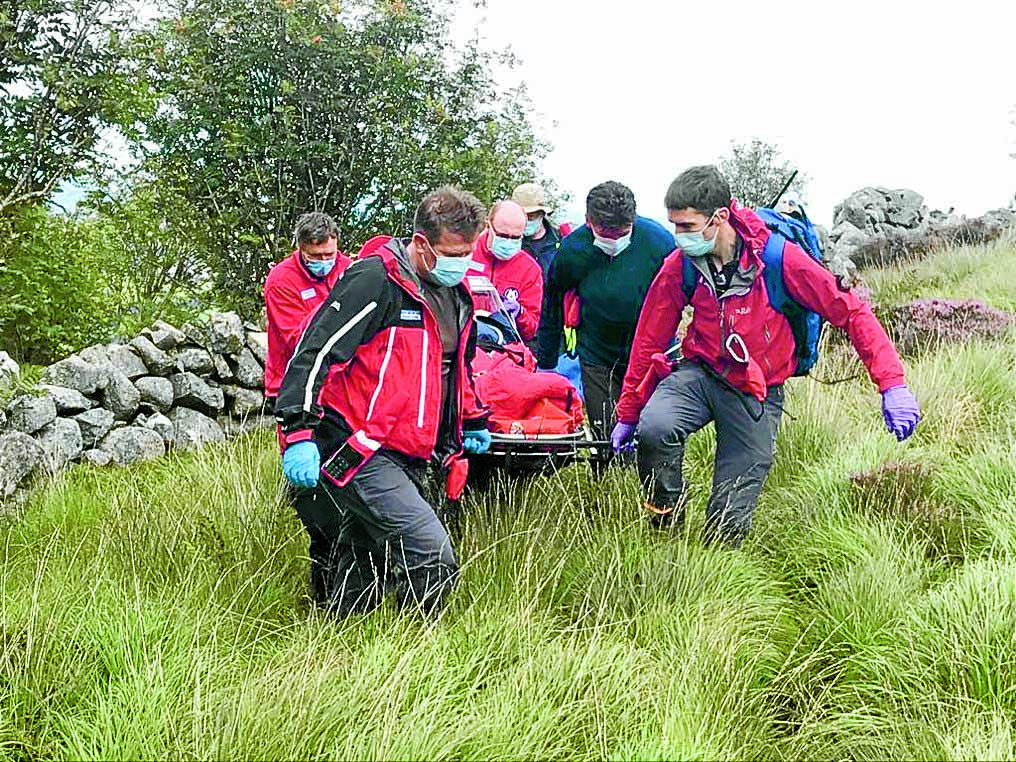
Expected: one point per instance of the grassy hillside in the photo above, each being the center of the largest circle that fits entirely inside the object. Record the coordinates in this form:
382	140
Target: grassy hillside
160	611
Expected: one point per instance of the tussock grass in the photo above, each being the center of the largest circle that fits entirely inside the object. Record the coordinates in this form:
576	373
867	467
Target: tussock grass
161	611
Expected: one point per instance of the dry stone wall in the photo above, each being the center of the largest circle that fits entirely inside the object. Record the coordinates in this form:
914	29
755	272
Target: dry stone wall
168	388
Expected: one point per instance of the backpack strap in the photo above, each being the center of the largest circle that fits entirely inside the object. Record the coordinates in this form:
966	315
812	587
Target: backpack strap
689	278
772	258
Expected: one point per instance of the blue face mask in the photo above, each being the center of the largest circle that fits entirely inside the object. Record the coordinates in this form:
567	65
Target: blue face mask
532	226
320	267
449	271
504	248
612	247
695	244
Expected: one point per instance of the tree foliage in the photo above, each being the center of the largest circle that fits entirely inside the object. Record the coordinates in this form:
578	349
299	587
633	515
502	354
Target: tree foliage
55	296
271	108
63	78
757	171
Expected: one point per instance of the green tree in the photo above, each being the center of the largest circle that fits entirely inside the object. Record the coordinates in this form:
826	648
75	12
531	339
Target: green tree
271	108
757	171
55	296
63	80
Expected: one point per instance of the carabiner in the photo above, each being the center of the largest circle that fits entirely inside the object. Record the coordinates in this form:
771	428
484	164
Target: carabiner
735	338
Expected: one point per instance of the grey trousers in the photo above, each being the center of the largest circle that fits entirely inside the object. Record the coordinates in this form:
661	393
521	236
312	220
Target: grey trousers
684	402
378	533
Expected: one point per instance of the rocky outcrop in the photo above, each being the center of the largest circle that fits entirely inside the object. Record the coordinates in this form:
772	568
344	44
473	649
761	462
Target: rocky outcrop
878	226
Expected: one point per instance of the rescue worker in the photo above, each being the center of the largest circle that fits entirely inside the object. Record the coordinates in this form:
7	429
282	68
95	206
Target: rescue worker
610	261
737	353
542	236
295	288
517	277
380	386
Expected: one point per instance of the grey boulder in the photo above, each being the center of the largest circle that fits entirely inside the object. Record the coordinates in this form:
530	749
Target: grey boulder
61	442
123	359
192	429
20	455
194	360
249	372
164	336
222	369
96	457
257	342
156	391
159	363
28	413
94	425
68	401
10	371
161	424
75	373
121	397
191	391
225	332
133	444
245	402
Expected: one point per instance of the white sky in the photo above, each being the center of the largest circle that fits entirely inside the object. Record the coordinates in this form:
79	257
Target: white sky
897	93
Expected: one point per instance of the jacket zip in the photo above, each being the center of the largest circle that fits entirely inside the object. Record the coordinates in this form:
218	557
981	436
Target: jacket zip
381	375
423	379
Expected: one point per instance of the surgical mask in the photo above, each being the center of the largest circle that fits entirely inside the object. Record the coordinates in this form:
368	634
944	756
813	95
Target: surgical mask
532	226
449	271
320	267
504	248
612	247
695	244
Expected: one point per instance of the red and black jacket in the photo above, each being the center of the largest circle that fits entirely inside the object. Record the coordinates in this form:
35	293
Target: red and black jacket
372	353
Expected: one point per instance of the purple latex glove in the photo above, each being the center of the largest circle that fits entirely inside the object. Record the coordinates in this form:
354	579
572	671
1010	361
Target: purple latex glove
900	410
512	306
622	437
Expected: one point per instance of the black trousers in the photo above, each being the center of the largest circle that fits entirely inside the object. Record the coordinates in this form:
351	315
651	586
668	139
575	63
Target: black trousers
684	402
602	387
379	533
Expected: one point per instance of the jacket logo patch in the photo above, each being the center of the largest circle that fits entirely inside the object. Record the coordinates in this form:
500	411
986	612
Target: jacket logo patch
411	315
742	311
337	306
307	293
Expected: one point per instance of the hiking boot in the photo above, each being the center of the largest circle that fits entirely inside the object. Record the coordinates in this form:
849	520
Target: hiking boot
664	518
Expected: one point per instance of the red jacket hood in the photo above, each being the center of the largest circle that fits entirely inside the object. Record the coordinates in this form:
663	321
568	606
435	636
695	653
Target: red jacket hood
753	232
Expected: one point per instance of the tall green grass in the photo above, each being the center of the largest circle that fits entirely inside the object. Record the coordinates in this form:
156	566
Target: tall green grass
161	611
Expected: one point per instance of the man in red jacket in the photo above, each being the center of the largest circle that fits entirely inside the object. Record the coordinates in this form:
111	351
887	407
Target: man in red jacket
499	258
737	352
295	288
379	390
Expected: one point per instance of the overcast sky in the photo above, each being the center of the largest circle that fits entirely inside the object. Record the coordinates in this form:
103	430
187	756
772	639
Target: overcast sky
896	93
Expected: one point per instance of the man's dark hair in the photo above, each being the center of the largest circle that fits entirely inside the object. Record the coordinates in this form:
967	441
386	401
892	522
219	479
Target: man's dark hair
314	227
611	205
701	188
449	210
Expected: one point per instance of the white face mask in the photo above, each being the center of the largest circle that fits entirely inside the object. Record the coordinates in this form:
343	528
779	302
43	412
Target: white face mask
612	247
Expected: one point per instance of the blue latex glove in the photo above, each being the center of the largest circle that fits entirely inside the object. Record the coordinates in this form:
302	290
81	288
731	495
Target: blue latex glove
547	370
301	463
622	437
900	411
512	306
476	442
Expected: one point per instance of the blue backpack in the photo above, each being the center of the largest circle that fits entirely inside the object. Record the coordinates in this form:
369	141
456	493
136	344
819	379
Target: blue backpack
805	324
